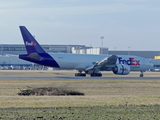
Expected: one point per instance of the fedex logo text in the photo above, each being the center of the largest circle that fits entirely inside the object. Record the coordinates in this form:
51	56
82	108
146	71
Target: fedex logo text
130	61
30	44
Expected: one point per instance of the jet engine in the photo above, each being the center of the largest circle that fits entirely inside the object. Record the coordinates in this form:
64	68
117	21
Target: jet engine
121	69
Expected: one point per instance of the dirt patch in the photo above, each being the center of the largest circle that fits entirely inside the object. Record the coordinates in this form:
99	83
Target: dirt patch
50	91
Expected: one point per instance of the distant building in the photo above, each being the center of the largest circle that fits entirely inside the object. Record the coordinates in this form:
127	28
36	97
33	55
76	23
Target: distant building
145	54
17	49
97	51
86	50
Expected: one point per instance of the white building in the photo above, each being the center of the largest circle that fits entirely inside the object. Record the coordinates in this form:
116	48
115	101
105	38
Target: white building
90	51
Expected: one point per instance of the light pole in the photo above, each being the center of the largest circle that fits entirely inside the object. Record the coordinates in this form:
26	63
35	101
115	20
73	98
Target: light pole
102	44
129	50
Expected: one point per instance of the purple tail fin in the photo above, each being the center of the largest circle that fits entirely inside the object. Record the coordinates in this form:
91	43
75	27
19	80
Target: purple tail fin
32	46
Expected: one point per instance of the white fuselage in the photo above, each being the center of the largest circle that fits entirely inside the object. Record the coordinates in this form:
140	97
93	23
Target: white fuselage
83	61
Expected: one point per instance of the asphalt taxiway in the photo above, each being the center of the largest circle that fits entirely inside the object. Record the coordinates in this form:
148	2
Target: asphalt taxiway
69	75
81	78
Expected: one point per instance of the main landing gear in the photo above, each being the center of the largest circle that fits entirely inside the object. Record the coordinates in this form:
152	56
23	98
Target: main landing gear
141	75
96	75
80	74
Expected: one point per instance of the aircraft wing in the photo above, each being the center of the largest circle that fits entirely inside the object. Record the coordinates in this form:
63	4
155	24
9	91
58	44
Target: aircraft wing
107	62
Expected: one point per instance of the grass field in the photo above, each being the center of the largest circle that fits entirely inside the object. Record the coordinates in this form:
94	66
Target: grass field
104	99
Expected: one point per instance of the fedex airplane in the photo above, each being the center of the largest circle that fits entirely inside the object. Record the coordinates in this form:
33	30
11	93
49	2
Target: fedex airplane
84	63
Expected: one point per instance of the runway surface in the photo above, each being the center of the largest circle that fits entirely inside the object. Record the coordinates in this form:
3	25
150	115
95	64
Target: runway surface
69	75
81	78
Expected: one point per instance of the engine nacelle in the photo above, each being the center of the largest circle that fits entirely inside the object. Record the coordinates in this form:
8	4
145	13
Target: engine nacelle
121	69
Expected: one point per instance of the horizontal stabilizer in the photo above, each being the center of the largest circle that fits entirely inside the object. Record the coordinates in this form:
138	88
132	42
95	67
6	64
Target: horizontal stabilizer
34	56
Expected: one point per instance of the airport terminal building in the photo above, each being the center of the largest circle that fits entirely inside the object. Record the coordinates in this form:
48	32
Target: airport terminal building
16	49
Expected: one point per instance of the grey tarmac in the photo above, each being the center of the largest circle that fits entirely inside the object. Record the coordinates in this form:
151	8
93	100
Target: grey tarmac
81	78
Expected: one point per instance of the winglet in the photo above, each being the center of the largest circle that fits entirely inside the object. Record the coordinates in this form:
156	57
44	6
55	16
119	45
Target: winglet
32	46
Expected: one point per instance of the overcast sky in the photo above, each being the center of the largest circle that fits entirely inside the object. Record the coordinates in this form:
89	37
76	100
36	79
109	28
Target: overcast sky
125	24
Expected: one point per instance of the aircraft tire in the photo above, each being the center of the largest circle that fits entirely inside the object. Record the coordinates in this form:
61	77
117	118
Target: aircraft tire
96	75
141	75
80	74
